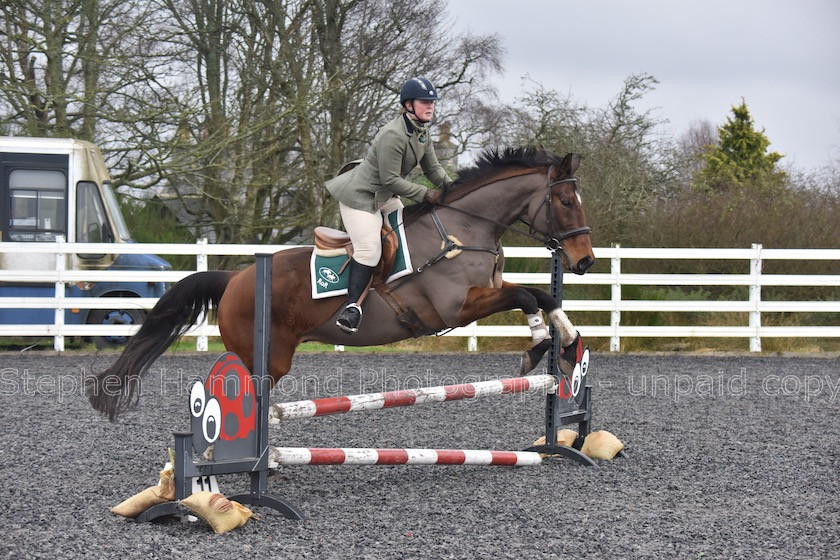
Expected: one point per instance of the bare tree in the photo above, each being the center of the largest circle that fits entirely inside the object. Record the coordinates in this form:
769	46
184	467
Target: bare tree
628	160
56	56
304	85
692	145
235	111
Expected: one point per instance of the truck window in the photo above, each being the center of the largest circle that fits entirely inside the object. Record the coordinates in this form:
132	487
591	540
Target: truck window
91	220
37	204
116	211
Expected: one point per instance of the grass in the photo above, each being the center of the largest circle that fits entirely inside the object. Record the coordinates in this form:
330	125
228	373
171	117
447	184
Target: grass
769	345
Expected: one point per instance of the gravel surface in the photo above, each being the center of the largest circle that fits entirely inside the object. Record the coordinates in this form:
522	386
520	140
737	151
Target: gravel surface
728	457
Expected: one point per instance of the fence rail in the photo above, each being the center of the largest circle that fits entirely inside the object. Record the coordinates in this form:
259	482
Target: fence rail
754	306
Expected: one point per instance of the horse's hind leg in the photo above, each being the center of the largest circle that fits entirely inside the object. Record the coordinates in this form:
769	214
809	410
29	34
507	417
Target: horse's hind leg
283	346
236	326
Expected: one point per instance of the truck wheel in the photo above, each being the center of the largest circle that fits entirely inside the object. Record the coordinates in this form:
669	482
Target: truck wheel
114	317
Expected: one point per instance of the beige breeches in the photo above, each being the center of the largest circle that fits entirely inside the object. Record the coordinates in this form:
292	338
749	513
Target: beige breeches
365	230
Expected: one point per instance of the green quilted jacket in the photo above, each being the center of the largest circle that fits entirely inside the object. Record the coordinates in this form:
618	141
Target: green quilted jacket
396	150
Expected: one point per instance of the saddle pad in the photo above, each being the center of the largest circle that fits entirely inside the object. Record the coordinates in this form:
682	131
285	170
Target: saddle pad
324	268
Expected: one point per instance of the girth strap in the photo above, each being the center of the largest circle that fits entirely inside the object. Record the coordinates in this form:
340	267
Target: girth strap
450	244
407	317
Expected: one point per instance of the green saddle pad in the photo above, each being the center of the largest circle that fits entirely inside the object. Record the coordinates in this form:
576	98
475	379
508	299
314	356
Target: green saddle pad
326	280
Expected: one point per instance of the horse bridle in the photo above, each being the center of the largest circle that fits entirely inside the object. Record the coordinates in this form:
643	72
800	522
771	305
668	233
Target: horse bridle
554	242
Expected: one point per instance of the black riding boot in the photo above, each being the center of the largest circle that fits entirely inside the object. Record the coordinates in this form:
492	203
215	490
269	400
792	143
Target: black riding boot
351	317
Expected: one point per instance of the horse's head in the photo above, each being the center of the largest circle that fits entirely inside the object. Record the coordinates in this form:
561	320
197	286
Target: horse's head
548	202
557	213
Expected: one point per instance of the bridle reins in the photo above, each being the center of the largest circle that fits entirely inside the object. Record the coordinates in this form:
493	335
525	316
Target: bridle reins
552	241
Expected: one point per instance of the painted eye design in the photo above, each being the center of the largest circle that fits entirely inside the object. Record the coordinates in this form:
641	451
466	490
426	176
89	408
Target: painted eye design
577	378
197	399
584	362
211	425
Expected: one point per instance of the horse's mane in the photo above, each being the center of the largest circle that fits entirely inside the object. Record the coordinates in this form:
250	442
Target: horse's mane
492	163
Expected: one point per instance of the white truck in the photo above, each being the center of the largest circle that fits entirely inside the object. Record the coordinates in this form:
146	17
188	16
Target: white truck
51	187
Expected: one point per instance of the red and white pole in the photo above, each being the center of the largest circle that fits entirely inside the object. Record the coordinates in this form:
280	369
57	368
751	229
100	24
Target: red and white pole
410	397
285	456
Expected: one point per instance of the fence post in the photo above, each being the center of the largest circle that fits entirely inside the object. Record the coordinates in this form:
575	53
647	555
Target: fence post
60	266
755	298
615	296
472	341
201	343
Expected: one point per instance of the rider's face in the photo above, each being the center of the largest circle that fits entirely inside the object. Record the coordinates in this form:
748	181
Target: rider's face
424	109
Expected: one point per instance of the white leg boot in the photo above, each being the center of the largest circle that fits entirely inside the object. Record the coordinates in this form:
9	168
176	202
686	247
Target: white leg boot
539	332
540	343
564	327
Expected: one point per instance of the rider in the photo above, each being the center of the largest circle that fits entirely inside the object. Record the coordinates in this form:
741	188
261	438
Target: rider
372	190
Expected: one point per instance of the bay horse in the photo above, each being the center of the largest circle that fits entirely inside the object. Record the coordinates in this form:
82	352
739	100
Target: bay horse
504	187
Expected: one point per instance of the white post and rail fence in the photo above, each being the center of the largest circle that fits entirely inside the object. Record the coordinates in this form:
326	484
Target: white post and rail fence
754	278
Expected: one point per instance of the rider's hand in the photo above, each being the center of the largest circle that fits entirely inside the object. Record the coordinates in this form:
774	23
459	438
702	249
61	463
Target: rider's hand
432	196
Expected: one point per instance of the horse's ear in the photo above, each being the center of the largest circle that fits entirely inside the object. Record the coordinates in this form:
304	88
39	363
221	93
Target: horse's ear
569	165
575	163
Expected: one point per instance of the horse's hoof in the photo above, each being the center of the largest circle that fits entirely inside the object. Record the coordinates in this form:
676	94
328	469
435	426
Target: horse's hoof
531	358
570	356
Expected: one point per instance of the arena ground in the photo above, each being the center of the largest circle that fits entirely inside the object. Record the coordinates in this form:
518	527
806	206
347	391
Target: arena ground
728	457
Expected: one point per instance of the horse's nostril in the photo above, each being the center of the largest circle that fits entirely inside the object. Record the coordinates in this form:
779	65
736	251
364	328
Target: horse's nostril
584	264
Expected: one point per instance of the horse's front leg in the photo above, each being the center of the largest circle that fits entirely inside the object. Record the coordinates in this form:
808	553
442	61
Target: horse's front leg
482	302
568	333
540	341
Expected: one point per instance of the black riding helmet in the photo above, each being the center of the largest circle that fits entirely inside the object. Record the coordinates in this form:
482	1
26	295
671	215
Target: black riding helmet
417	88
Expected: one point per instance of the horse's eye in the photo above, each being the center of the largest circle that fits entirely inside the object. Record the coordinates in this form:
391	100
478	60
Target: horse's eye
566	203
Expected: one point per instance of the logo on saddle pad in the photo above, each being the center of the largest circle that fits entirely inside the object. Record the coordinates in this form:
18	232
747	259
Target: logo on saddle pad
324	268
328	275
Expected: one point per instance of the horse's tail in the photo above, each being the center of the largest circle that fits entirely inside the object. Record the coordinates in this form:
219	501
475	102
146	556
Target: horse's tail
116	389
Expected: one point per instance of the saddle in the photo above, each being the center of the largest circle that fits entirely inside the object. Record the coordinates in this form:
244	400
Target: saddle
331	241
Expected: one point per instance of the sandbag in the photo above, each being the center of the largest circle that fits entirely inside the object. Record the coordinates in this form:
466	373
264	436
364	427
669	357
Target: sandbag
221	514
601	445
564	437
151	496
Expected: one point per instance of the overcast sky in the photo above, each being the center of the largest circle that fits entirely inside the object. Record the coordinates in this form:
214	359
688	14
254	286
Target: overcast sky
782	57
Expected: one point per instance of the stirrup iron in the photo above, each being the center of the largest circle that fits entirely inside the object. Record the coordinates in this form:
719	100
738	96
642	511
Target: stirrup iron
348	322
